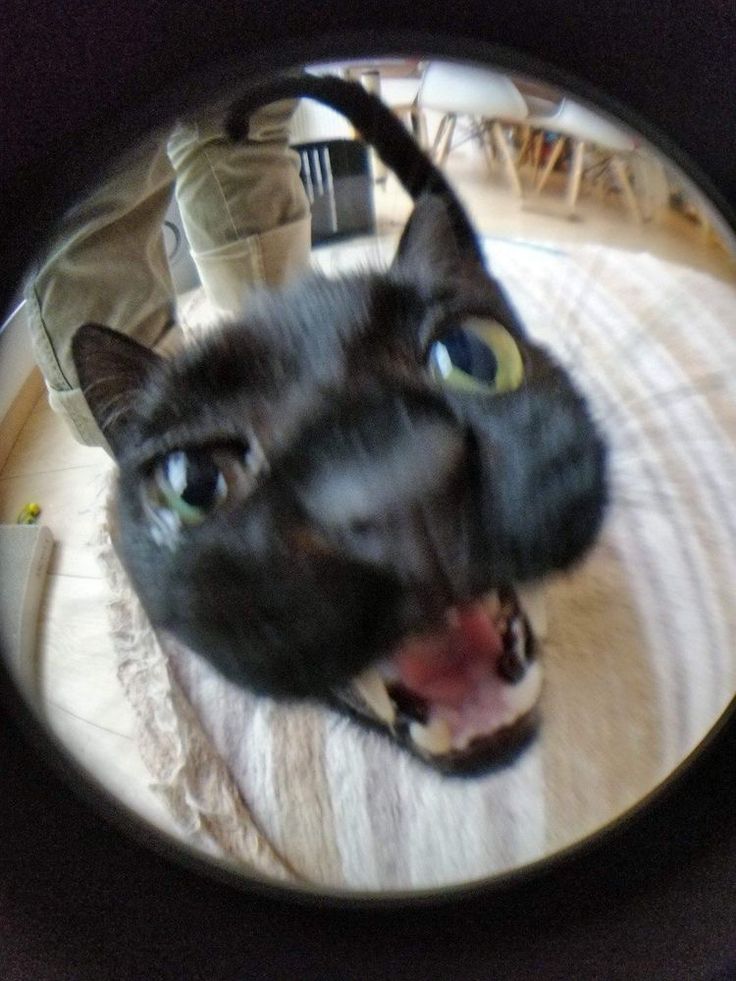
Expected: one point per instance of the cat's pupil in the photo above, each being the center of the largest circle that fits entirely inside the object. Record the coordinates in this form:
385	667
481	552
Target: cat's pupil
195	477
468	353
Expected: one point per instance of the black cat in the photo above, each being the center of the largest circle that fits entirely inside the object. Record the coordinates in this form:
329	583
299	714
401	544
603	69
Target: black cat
335	497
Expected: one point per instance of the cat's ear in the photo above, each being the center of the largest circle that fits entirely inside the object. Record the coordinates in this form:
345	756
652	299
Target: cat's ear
437	240
112	369
438	243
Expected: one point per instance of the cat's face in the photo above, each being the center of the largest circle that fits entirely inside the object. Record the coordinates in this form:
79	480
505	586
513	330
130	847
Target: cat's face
336	497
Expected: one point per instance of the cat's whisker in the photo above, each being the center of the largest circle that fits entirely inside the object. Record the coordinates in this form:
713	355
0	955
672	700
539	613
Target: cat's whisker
632	455
569	344
709	382
639	341
653	501
572	355
101	382
112	413
113	408
619	479
602	404
576	306
602	408
624	463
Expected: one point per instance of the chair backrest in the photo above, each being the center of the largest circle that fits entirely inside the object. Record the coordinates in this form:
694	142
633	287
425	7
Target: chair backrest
399	92
313	122
470	90
571	119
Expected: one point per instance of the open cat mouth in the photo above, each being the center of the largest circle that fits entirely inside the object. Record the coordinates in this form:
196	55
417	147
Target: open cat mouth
463	696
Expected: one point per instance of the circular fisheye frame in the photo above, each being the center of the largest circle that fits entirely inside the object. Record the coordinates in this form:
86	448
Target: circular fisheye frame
601	214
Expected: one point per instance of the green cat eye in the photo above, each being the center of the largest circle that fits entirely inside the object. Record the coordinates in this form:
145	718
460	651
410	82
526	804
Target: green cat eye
190	484
187	485
478	355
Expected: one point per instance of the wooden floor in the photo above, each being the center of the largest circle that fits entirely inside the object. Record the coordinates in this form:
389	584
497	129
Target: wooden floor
78	684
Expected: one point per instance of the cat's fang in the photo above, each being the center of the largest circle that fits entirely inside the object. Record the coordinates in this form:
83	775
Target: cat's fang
492	603
434	738
442	724
372	689
532	600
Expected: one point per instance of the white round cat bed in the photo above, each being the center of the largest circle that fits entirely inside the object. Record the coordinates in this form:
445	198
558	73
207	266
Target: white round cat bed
640	653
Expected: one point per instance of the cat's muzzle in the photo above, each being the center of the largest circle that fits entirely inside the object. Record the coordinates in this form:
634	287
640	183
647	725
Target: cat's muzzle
462	697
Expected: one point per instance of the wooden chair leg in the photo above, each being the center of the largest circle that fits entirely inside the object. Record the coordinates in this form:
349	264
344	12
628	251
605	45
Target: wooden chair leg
422	129
419	126
619	168
487	145
576	175
525	149
437	143
502	146
447	145
537	144
551	161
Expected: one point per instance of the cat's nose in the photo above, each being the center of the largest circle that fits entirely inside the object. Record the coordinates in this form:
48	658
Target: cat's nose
361	487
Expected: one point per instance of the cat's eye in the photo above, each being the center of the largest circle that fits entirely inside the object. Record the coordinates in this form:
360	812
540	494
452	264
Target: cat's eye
190	484
477	355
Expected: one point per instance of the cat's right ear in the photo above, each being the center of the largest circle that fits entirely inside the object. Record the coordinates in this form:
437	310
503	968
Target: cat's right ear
437	240
112	369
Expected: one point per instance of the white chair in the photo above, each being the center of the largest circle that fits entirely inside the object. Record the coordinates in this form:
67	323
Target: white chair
489	98
583	128
401	96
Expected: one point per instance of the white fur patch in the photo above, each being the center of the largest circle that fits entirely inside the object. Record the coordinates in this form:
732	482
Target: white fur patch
363	489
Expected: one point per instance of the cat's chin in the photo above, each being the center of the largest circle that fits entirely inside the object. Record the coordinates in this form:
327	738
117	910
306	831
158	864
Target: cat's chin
462	697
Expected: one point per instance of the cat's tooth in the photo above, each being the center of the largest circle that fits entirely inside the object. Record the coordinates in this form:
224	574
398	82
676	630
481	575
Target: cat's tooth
372	690
534	604
492	604
434	738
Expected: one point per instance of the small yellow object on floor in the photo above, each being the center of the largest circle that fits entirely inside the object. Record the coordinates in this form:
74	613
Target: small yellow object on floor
29	514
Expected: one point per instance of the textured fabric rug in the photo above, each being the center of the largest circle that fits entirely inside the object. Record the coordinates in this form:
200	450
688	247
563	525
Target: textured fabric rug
640	657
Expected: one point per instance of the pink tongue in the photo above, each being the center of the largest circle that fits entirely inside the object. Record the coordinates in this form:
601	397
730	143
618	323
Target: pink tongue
447	665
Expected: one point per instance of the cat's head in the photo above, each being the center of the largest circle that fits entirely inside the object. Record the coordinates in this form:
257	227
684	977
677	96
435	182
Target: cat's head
336	496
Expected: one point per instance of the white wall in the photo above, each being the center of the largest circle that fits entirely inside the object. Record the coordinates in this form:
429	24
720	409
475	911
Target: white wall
16	358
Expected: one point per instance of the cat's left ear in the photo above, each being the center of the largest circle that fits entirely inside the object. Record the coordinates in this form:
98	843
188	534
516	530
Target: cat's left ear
112	370
438	241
